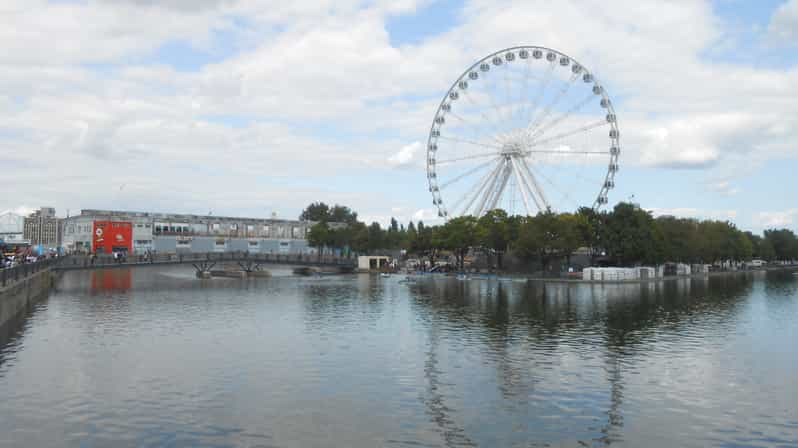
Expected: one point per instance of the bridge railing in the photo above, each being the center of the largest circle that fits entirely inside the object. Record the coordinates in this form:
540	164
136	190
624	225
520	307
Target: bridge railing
96	261
22	271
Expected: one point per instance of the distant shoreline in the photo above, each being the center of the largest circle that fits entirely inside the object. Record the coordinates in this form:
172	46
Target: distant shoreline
519	277
663	279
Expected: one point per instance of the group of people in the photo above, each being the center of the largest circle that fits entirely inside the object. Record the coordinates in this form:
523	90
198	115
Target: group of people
10	260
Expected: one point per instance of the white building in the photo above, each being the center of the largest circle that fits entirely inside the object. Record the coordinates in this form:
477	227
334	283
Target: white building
12	227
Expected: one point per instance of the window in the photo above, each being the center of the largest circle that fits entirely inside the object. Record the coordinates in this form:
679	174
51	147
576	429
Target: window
250	228
266	230
147	226
215	226
233	226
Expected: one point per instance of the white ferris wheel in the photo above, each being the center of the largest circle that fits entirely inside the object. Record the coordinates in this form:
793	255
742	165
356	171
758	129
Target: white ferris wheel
526	129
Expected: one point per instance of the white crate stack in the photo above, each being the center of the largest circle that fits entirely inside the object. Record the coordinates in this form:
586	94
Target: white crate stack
615	274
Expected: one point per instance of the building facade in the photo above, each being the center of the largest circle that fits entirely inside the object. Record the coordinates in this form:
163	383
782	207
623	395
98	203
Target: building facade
12	228
43	228
103	231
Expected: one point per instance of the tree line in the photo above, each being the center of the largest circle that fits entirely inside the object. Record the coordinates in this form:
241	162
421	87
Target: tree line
624	236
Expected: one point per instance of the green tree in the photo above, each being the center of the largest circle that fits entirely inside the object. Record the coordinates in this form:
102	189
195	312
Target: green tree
784	242
493	233
317	211
376	237
342	213
319	236
630	236
458	235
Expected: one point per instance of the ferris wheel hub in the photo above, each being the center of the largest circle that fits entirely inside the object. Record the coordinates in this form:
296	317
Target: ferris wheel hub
512	149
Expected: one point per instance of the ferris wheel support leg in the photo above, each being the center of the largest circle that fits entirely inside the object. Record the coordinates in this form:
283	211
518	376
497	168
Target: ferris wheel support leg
488	180
535	184
502	186
490	190
525	191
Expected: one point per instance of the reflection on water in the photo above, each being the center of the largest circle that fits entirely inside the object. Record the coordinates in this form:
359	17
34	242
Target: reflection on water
158	357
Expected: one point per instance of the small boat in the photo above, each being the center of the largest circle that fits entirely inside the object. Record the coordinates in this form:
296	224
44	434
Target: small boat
462	277
385	274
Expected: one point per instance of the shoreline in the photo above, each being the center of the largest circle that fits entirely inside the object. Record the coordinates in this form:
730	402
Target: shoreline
518	278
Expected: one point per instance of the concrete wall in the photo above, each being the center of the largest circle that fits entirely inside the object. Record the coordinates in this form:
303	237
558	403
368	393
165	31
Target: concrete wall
16	297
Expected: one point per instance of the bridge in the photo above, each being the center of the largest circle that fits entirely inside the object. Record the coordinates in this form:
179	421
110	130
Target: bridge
205	262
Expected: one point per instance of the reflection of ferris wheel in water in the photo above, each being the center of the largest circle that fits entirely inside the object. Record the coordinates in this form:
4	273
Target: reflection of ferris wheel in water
525	129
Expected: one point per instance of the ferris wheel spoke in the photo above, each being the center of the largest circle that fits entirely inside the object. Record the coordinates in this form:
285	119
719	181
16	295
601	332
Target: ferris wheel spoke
475	192
541	90
563	135
554	186
473	126
576	108
554	151
468	157
525	91
495	111
547	110
487	119
525	171
507	91
470	142
506	174
527	188
467	173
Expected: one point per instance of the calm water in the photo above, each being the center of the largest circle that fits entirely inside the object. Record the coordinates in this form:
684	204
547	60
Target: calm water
156	357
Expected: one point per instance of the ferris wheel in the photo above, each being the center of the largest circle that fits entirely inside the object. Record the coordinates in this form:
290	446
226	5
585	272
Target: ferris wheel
527	129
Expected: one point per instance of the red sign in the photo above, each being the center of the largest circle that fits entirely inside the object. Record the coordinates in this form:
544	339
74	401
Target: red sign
112	236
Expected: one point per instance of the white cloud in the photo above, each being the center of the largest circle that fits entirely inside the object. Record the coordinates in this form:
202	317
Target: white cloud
784	23
723	187
779	219
406	156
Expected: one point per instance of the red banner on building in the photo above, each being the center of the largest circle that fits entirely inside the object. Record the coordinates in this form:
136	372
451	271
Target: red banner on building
112	236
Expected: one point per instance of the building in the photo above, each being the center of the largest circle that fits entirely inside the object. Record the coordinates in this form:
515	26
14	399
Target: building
366	263
12	228
104	231
43	228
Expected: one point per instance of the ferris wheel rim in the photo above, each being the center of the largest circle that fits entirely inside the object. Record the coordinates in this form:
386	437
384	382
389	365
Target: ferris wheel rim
614	136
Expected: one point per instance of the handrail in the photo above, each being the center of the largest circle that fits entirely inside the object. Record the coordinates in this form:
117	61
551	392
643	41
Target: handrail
107	260
24	270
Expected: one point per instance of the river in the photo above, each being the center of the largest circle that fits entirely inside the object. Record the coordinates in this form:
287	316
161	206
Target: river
155	357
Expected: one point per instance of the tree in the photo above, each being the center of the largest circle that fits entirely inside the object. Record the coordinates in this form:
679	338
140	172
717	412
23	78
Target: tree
493	233
680	239
376	238
342	213
319	236
317	211
572	233
630	236
784	242
550	236
458	235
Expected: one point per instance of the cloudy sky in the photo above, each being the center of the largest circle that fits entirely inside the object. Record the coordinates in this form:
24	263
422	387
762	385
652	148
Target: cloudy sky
248	107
